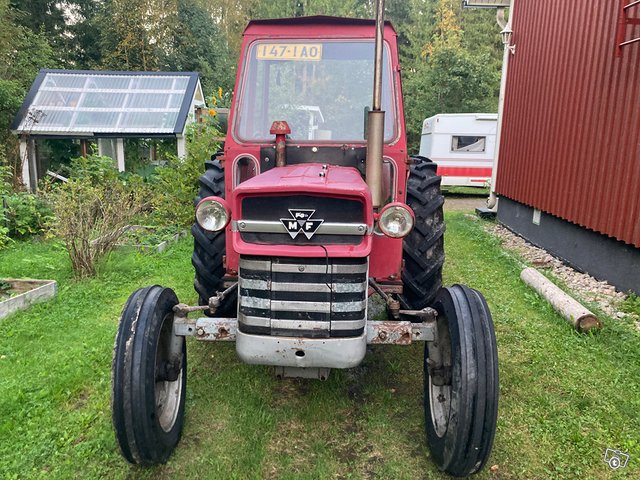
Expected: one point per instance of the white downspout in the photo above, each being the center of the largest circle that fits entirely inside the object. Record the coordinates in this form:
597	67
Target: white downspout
508	49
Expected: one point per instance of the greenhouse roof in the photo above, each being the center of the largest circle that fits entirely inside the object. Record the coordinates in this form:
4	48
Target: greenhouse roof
73	103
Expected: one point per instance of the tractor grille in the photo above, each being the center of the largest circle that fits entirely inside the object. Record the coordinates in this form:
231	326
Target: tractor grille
328	209
303	297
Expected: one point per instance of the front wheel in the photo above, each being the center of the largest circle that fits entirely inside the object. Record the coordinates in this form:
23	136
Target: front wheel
461	382
149	377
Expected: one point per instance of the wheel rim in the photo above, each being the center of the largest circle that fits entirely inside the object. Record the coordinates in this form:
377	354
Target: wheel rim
440	396
167	393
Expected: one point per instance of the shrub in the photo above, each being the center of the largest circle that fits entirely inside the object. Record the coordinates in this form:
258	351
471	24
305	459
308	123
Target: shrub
26	214
176	184
21	213
92	211
5	188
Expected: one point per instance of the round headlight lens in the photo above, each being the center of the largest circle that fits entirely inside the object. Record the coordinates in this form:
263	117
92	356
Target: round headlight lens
212	214
396	221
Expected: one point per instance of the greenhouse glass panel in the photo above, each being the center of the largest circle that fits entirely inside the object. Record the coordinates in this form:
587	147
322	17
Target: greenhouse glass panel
108	102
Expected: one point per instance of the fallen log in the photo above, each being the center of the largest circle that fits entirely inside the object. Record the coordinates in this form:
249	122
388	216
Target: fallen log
571	310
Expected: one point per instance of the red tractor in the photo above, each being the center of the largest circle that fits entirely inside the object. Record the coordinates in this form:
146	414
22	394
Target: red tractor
314	206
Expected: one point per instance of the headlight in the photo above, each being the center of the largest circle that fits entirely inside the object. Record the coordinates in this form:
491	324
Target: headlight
396	220
213	213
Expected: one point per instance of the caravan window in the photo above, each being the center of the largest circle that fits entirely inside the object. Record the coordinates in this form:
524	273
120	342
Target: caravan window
468	144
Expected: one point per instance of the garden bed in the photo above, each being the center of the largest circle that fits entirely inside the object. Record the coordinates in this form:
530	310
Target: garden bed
149	239
18	294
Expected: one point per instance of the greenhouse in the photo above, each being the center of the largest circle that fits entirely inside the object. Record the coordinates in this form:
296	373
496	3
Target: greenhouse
104	108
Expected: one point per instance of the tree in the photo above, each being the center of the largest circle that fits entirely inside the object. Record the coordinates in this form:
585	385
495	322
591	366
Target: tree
197	45
67	26
134	33
22	54
445	77
84	33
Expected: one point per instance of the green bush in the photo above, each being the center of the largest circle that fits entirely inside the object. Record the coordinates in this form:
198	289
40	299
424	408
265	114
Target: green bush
95	168
176	184
92	210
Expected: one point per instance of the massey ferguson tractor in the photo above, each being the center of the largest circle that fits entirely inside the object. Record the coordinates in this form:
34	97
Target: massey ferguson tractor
313	207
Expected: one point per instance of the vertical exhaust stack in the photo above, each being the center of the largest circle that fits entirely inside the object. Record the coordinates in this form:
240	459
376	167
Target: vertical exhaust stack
375	125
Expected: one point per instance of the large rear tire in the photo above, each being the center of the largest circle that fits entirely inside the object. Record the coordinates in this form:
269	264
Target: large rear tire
149	378
423	248
461	399
209	247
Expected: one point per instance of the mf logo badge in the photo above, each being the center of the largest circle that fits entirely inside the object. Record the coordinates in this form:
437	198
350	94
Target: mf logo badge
301	221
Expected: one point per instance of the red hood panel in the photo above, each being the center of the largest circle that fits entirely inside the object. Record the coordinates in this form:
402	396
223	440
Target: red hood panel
310	177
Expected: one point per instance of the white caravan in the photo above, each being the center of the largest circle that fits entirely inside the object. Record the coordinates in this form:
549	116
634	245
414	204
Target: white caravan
462	145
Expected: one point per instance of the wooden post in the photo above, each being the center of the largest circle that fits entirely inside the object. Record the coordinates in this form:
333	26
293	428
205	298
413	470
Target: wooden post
120	154
572	311
182	146
24	161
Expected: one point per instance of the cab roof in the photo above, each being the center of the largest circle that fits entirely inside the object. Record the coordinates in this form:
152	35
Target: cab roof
316	26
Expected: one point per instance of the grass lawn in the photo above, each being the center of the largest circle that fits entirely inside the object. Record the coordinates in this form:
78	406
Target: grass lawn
565	397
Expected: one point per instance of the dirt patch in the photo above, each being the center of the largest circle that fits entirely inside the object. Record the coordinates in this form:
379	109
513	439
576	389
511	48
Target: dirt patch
11	288
584	285
464	203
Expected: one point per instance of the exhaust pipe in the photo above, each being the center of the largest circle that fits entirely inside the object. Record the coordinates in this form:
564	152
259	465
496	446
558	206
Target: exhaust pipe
375	125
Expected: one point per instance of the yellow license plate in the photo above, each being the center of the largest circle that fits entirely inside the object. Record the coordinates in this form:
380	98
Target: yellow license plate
310	52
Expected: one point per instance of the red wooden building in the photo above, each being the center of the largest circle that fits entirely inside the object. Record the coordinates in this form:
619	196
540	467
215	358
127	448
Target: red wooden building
569	164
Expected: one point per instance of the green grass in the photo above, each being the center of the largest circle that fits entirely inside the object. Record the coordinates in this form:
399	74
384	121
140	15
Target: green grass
465	191
565	397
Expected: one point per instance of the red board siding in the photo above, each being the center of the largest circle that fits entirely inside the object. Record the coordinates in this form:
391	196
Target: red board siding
571	131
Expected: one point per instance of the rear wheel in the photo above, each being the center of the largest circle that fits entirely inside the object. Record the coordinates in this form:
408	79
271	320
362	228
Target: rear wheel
461	386
423	248
209	247
149	377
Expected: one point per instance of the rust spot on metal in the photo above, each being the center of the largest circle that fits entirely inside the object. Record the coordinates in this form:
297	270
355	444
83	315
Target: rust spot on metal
223	332
395	333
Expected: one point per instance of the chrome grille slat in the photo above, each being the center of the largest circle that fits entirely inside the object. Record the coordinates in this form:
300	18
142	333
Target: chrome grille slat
254	321
316	287
327	228
254	284
255	302
297	268
347	324
286	306
299	324
348	306
263	265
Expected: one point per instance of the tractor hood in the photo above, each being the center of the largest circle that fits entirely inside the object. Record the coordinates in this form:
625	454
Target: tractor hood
331	205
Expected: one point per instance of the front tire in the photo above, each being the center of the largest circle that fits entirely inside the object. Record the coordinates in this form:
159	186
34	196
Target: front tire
461	400
148	378
423	248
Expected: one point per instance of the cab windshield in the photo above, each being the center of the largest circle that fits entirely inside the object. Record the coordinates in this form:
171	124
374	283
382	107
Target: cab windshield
321	89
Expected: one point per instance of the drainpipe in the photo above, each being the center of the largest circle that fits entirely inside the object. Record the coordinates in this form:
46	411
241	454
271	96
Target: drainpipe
375	120
508	49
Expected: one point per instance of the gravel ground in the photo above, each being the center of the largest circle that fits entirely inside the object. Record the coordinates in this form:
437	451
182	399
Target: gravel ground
584	286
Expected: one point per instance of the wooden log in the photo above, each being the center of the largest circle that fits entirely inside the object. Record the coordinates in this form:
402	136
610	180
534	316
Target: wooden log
576	314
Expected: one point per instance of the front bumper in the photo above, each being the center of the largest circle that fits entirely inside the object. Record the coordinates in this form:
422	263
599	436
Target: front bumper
305	352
